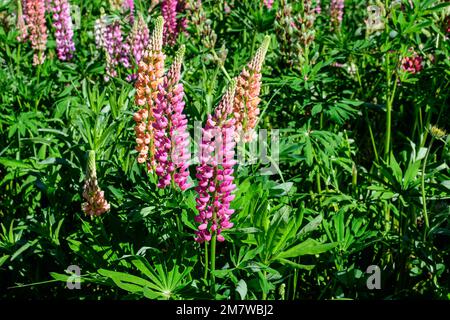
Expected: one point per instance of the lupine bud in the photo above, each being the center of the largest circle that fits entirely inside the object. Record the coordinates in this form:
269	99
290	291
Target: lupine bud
37	29
215	171
412	64
96	203
62	22
247	99
150	77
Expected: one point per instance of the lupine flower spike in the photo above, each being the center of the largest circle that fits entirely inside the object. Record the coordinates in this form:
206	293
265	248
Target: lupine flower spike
63	29
170	129
173	25
246	101
150	76
337	13
268	4
117	51
139	38
21	25
37	29
96	203
215	171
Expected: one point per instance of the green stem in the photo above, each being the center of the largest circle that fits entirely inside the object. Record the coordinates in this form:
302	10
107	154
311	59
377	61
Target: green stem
424	202
213	259
206	261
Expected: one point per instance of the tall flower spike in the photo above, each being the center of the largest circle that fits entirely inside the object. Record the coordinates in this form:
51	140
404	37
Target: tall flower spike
247	99
96	203
139	38
337	13
62	23
215	171
117	51
173	25
37	28
171	136
21	25
150	77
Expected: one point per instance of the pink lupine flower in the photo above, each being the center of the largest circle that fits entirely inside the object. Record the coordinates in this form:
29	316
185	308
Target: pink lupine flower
96	203
150	76
129	5
172	26
412	64
21	24
215	172
247	99
117	51
62	23
318	8
268	4
37	28
139	38
170	129
337	13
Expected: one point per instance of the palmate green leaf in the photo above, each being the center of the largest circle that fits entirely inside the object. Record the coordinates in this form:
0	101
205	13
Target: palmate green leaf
14	164
307	247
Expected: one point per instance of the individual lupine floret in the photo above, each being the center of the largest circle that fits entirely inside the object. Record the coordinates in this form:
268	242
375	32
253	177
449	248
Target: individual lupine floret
170	129
21	24
62	23
37	29
139	38
246	100
150	76
318	8
337	13
96	203
215	171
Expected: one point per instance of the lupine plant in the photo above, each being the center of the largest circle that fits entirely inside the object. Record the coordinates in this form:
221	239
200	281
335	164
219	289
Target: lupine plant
224	150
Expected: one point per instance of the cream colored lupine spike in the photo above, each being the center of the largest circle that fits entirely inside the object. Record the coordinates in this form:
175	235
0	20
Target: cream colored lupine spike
260	55
156	40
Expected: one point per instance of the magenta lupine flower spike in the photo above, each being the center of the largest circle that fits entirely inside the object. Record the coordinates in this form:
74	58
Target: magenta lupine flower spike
173	25
170	129
215	171
96	203
37	28
63	29
150	76
246	101
337	13
139	38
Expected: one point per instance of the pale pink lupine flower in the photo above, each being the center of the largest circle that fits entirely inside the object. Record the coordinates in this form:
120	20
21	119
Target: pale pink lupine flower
337	13
21	24
37	29
268	4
